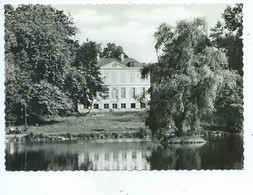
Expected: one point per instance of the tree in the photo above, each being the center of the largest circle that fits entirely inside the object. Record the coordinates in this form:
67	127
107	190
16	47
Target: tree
233	19
37	50
229	106
187	78
227	35
83	81
112	51
39	54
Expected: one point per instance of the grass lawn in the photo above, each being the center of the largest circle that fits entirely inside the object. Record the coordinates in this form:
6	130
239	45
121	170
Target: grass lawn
110	122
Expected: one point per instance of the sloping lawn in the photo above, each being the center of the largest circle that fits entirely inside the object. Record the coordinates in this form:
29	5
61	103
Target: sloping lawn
110	122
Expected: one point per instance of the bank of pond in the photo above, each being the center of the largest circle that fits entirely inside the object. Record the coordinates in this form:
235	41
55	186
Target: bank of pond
69	136
166	139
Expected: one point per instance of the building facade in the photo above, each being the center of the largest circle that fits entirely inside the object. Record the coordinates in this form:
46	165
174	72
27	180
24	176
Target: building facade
125	88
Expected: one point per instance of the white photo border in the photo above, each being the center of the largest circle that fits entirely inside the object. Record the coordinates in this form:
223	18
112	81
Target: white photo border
138	182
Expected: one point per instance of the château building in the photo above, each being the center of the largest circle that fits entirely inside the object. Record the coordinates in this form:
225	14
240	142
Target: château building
125	87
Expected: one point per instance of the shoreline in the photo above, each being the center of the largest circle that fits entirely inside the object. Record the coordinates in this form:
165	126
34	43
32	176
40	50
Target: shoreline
184	140
30	137
72	136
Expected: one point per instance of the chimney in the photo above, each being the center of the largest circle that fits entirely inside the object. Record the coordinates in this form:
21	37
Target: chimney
98	57
122	57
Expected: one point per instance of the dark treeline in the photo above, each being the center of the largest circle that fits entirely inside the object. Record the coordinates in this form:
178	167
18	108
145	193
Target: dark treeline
198	76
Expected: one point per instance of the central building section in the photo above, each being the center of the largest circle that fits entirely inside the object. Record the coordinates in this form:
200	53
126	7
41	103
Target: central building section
126	89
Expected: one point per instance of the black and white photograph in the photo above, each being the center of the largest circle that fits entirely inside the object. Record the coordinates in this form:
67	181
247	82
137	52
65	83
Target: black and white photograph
123	87
126	97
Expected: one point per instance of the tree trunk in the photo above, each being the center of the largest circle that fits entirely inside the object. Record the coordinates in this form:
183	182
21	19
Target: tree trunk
195	121
179	126
179	122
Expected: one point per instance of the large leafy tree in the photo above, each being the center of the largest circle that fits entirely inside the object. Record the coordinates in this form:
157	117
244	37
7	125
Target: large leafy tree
187	78
39	54
37	60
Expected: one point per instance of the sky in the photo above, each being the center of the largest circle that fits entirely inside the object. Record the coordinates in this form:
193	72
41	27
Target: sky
133	26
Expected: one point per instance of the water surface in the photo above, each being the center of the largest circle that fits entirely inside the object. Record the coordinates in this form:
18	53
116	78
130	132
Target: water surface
132	154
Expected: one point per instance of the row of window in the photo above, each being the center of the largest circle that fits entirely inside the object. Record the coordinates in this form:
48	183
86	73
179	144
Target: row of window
114	77
122	105
132	92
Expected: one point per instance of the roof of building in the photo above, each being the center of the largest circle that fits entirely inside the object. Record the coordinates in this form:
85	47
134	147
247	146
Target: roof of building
130	62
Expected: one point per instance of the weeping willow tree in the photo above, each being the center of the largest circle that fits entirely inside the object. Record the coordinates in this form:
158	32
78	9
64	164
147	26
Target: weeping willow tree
187	78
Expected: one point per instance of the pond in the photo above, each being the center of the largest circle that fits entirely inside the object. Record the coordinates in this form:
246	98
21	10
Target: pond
225	152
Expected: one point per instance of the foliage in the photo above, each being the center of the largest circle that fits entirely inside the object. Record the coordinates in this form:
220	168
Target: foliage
84	82
51	100
112	51
187	78
39	52
227	35
233	19
229	106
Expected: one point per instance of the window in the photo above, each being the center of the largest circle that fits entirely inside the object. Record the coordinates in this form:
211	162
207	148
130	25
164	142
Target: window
106	93
132	92
130	64
132	105
123	77
114	77
134	154
114	93
114	106
124	156
106	106
132	77
96	106
123	105
115	156
143	105
143	91
96	156
123	92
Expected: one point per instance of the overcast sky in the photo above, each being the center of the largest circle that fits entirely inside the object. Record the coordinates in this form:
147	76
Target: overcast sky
133	26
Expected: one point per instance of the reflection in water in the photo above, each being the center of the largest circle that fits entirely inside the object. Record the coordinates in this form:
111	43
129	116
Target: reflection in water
218	153
175	158
122	160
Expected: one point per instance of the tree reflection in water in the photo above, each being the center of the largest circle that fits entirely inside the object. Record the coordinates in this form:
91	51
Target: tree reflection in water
218	153
175	157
